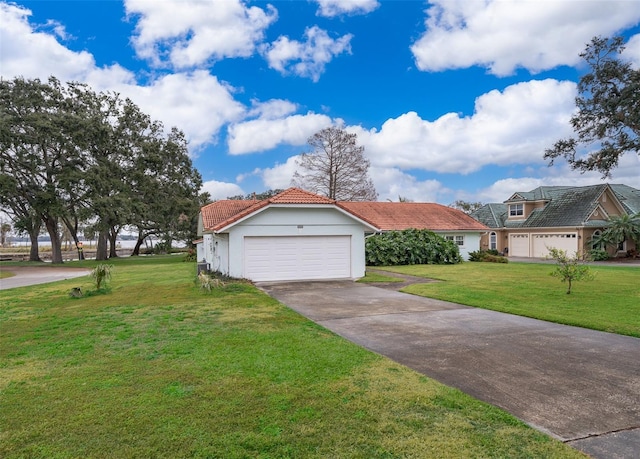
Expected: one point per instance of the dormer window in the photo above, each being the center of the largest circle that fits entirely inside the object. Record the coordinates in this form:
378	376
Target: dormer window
516	210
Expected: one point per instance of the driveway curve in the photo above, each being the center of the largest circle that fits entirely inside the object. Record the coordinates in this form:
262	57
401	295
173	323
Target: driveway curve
33	275
580	386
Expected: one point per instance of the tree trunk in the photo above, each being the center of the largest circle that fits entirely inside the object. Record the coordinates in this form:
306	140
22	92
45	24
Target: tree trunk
51	224
101	246
113	235
136	249
34	251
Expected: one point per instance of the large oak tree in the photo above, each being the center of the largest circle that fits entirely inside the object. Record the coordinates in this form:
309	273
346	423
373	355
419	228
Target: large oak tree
607	122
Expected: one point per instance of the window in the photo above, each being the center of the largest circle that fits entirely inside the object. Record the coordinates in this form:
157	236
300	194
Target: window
457	239
516	210
493	241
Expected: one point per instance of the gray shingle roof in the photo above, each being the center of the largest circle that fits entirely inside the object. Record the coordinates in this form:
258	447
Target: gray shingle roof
492	215
629	197
566	206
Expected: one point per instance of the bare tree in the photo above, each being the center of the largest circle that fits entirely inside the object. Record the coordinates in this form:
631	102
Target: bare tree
335	167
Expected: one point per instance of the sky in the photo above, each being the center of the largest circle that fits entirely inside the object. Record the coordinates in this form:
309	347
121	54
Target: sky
451	99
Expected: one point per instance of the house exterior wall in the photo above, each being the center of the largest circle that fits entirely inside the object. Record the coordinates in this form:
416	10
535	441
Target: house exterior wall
471	241
288	221
502	240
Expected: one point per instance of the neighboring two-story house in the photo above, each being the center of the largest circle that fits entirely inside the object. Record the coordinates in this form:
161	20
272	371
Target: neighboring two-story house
529	223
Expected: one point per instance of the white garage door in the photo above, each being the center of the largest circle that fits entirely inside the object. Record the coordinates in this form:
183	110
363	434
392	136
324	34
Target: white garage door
294	258
519	245
563	241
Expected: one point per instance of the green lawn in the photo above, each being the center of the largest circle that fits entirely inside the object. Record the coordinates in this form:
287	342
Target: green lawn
610	302
157	368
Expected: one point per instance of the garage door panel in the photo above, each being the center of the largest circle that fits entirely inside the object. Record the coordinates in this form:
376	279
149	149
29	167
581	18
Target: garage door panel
293	258
563	241
519	245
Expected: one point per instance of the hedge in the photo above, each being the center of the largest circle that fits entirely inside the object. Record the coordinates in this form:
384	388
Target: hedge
410	247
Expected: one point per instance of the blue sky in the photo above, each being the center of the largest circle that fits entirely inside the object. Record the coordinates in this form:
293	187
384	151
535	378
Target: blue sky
451	99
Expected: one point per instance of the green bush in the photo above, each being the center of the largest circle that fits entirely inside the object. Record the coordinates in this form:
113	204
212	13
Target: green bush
495	259
491	256
598	255
101	274
410	247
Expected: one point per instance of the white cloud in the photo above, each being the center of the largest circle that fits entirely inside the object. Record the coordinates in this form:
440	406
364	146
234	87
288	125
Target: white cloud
332	8
197	103
221	190
503	35
309	58
280	175
189	33
32	54
632	51
391	183
263	134
272	109
509	127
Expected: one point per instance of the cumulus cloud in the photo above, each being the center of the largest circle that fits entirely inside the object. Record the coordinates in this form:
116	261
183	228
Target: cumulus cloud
306	58
188	33
272	109
34	54
263	134
632	51
196	102
280	175
503	35
392	183
513	126
332	8
221	190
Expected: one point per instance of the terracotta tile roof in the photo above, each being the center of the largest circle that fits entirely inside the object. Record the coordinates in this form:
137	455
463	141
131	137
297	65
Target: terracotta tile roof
419	215
217	212
382	215
298	196
220	214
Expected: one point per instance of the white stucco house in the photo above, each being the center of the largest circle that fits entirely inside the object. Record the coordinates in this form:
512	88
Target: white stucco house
297	235
293	235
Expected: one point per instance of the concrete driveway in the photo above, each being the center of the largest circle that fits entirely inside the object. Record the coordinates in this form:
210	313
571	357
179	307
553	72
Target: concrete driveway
578	385
32	275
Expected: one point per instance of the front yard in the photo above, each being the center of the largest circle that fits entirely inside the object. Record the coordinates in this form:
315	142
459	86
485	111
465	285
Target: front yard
610	302
157	368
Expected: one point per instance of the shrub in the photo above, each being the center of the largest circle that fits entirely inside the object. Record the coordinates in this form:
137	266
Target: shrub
190	255
495	259
101	274
410	247
598	255
568	269
492	256
208	282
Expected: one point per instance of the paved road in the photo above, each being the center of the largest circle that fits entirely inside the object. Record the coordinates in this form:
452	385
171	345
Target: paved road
32	275
578	385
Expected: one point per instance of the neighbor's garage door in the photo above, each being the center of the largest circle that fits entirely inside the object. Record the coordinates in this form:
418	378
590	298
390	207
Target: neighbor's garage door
296	258
519	245
563	241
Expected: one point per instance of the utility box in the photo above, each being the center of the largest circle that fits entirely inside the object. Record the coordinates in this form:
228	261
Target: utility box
203	267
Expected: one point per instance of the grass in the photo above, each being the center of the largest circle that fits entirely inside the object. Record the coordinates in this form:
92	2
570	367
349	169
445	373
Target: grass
6	274
610	302
158	368
372	277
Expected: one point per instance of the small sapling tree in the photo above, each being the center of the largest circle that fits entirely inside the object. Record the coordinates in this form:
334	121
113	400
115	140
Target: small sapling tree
569	269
